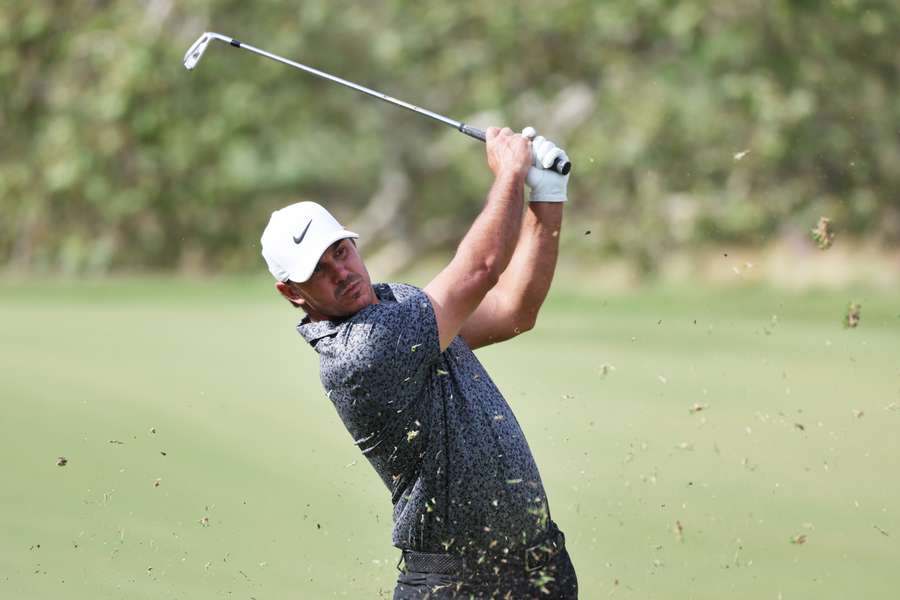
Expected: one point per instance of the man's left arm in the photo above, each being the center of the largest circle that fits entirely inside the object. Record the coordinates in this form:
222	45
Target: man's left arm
512	306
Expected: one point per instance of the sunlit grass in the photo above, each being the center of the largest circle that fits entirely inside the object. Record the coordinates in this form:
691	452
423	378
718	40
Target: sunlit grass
206	388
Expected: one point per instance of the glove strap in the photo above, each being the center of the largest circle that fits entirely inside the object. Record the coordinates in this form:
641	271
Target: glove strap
556	200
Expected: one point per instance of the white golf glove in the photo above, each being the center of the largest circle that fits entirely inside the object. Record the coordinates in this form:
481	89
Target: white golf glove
546	185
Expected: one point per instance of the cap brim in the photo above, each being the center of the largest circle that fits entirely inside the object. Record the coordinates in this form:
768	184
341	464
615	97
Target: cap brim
305	270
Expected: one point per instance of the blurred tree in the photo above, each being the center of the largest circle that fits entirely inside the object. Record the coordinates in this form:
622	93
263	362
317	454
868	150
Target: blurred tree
686	121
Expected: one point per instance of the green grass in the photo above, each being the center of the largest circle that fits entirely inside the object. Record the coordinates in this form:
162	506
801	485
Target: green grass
294	511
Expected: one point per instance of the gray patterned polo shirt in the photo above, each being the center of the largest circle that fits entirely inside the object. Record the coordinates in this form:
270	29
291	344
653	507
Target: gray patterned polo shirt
433	425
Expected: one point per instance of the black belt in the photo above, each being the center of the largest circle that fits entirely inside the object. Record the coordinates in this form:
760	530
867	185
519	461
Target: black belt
529	559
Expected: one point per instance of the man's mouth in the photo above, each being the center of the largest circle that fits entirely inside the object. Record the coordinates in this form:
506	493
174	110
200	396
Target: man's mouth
348	288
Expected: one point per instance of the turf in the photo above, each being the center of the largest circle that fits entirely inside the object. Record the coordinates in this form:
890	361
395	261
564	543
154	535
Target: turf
204	460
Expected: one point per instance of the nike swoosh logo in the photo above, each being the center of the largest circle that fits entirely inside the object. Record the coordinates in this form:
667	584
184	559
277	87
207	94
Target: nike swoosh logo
298	239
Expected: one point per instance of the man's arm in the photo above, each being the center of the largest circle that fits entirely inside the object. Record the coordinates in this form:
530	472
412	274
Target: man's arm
485	251
512	306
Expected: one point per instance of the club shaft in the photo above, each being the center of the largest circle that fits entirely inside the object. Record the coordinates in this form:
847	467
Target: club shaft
560	165
350	84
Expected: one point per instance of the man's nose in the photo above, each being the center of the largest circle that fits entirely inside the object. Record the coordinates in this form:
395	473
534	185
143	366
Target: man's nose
339	273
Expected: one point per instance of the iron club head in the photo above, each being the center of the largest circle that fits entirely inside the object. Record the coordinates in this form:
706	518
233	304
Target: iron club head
195	52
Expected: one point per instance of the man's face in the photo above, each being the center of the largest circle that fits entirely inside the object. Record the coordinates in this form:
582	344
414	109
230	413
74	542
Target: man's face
339	286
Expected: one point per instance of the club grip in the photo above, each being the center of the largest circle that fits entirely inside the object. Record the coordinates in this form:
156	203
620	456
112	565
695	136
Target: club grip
474	132
560	165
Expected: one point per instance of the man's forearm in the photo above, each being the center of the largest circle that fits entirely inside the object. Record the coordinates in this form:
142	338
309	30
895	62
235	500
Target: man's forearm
492	238
526	280
484	253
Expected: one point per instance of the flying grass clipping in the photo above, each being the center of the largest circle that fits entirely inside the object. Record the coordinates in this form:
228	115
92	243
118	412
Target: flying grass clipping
851	319
822	234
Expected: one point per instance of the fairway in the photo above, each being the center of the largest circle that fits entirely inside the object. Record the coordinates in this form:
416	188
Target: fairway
694	443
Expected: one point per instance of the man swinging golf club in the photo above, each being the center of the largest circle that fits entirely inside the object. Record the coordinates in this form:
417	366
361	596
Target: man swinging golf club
470	512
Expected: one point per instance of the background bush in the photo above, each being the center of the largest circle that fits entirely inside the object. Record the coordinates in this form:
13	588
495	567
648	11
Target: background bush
686	121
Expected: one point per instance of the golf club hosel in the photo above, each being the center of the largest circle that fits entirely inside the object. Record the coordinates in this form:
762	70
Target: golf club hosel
560	165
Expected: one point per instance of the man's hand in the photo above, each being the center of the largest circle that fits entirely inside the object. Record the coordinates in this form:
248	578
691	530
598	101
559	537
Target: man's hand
546	184
508	153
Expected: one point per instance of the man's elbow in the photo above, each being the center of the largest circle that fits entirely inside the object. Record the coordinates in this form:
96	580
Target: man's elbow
525	321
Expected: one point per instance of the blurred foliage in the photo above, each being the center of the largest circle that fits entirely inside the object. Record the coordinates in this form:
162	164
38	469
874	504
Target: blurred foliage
686	121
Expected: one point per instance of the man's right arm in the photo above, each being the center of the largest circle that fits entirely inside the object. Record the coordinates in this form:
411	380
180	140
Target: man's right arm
485	251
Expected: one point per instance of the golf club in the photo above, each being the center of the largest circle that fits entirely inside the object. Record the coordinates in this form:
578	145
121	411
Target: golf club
195	53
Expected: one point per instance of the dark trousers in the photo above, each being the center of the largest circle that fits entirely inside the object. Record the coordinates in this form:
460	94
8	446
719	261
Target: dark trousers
555	580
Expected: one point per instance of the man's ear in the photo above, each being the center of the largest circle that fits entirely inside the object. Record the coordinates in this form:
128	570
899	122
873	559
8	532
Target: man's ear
287	290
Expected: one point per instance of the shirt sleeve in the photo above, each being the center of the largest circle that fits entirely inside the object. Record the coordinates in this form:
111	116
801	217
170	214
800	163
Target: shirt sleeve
380	362
400	338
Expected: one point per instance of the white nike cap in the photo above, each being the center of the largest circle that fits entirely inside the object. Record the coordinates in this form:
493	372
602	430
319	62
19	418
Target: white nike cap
296	237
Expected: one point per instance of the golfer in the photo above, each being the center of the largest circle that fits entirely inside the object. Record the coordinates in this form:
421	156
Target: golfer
471	516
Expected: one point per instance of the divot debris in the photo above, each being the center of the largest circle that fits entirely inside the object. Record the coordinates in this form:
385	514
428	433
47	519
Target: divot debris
822	234
851	319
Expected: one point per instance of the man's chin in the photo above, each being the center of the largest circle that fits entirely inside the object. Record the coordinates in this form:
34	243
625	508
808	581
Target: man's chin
361	298
353	303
